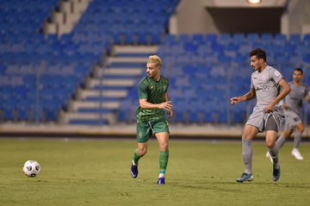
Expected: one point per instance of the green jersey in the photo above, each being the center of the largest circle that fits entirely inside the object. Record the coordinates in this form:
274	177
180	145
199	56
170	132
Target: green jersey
154	92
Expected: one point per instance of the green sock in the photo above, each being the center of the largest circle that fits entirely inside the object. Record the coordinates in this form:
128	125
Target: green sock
136	157
163	162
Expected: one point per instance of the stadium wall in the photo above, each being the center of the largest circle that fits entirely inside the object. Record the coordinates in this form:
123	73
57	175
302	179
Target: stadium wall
293	16
126	131
182	21
298	17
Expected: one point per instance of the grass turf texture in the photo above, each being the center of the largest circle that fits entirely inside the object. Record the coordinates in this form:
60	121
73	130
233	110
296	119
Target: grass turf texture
98	173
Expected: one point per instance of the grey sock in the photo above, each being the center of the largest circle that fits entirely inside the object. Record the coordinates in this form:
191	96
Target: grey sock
279	143
274	154
247	152
297	139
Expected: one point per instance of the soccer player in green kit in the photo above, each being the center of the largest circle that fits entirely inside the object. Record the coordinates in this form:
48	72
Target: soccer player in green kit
153	102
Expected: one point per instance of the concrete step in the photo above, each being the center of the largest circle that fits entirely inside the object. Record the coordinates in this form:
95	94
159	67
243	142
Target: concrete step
69	117
74	106
121	71
111	60
135	49
84	94
114	83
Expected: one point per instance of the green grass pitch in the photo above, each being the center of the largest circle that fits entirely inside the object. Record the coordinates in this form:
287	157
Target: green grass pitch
97	172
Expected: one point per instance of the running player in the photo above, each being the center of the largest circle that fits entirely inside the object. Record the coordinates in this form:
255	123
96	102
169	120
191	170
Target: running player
153	102
292	109
269	87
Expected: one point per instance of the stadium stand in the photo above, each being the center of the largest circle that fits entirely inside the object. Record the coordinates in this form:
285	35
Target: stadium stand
41	74
201	68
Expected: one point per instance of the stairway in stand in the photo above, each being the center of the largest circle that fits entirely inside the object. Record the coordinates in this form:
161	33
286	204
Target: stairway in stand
99	102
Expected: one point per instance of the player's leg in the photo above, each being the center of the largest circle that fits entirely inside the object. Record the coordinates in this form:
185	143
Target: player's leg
297	139
283	137
140	152
280	142
247	152
163	142
290	122
271	136
161	131
144	132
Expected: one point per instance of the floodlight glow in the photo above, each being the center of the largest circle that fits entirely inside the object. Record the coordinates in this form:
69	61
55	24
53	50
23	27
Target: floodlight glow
254	1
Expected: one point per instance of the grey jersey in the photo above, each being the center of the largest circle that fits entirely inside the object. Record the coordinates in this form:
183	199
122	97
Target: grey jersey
266	85
295	98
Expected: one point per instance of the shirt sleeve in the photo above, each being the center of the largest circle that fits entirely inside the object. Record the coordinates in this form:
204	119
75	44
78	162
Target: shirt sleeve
276	75
142	91
167	87
252	85
307	92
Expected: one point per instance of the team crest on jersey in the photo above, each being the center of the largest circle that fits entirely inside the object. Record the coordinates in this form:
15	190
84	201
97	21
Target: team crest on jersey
302	90
277	73
264	77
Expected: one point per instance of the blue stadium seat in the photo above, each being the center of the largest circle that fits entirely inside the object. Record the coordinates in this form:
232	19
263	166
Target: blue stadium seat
156	37
198	39
295	39
212	38
170	40
239	38
224	38
280	38
266	37
253	37
183	38
306	38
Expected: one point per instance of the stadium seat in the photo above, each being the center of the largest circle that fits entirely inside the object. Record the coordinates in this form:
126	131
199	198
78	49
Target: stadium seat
280	38
266	37
306	38
239	38
224	38
198	39
253	37
212	38
295	39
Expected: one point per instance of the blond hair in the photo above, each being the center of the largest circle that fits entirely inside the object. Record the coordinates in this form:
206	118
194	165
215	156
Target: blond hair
156	60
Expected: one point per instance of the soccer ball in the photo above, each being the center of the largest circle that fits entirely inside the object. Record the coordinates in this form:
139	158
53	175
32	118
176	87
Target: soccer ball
31	168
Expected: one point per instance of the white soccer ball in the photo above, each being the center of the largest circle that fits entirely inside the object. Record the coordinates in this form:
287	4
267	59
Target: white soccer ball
31	168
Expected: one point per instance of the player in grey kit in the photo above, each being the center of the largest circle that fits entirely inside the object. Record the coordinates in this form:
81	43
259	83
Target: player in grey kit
269	88
292	109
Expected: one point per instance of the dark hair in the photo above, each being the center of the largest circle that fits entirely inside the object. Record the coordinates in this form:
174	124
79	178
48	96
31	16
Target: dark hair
259	53
300	70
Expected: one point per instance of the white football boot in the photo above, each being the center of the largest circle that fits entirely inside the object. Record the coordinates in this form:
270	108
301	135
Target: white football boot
296	154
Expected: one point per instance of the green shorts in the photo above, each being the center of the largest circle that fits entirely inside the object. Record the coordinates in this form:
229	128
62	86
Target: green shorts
145	130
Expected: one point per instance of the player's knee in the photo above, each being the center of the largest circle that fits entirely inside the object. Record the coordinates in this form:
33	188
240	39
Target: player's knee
301	129
163	146
270	144
247	137
287	134
142	151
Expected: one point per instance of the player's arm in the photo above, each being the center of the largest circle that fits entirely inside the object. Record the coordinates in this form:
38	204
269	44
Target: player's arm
308	97
169	112
144	104
248	96
284	105
285	90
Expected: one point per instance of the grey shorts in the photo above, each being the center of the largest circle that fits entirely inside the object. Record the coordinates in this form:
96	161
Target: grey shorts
291	119
259	118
